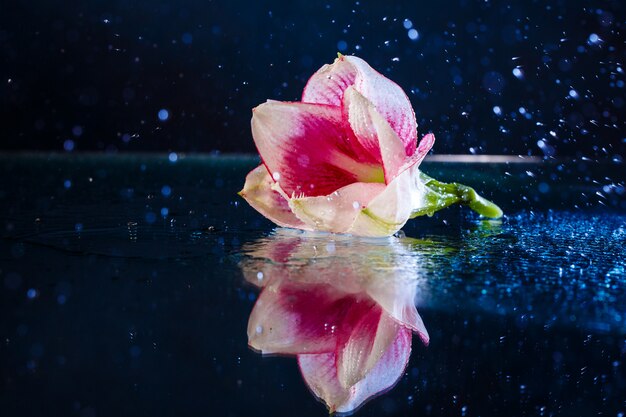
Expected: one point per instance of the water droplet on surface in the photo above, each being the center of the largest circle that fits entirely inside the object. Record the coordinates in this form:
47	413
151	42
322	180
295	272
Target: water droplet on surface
163	115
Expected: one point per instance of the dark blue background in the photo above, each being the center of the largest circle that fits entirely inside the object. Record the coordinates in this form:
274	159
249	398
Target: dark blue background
93	75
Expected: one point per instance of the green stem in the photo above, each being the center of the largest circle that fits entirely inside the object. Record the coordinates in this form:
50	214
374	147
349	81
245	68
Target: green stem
439	195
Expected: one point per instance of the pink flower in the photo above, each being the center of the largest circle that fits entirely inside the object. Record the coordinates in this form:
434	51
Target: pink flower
345	159
342	311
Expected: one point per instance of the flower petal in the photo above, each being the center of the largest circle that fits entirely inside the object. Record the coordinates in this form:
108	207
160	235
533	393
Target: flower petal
362	209
370	338
374	133
320	374
397	299
259	194
422	150
327	86
306	148
387	212
291	318
337	211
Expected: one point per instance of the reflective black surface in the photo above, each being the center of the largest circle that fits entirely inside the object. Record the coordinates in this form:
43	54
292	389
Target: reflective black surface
122	294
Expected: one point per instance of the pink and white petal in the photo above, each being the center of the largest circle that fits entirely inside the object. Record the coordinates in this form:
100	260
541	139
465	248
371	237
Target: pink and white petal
390	101
258	192
391	147
376	136
422	150
320	374
397	298
356	110
305	147
337	211
370	338
293	318
389	210
328	85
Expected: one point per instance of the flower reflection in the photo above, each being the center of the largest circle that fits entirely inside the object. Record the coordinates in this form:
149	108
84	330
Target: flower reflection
344	306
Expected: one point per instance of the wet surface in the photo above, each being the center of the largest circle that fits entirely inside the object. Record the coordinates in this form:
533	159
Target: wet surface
122	292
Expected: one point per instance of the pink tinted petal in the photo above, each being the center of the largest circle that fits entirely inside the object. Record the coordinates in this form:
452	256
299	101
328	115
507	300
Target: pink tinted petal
416	159
356	110
320	374
397	299
331	81
259	194
389	210
390	101
337	211
375	135
292	318
369	340
305	147
393	155
327	85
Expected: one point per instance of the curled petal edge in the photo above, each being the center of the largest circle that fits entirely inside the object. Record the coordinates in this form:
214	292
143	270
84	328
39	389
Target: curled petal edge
259	191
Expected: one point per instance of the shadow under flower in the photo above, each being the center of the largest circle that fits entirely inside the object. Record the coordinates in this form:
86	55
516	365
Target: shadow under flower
344	306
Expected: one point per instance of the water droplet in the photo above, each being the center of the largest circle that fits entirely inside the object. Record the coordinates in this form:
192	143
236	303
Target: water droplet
163	115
